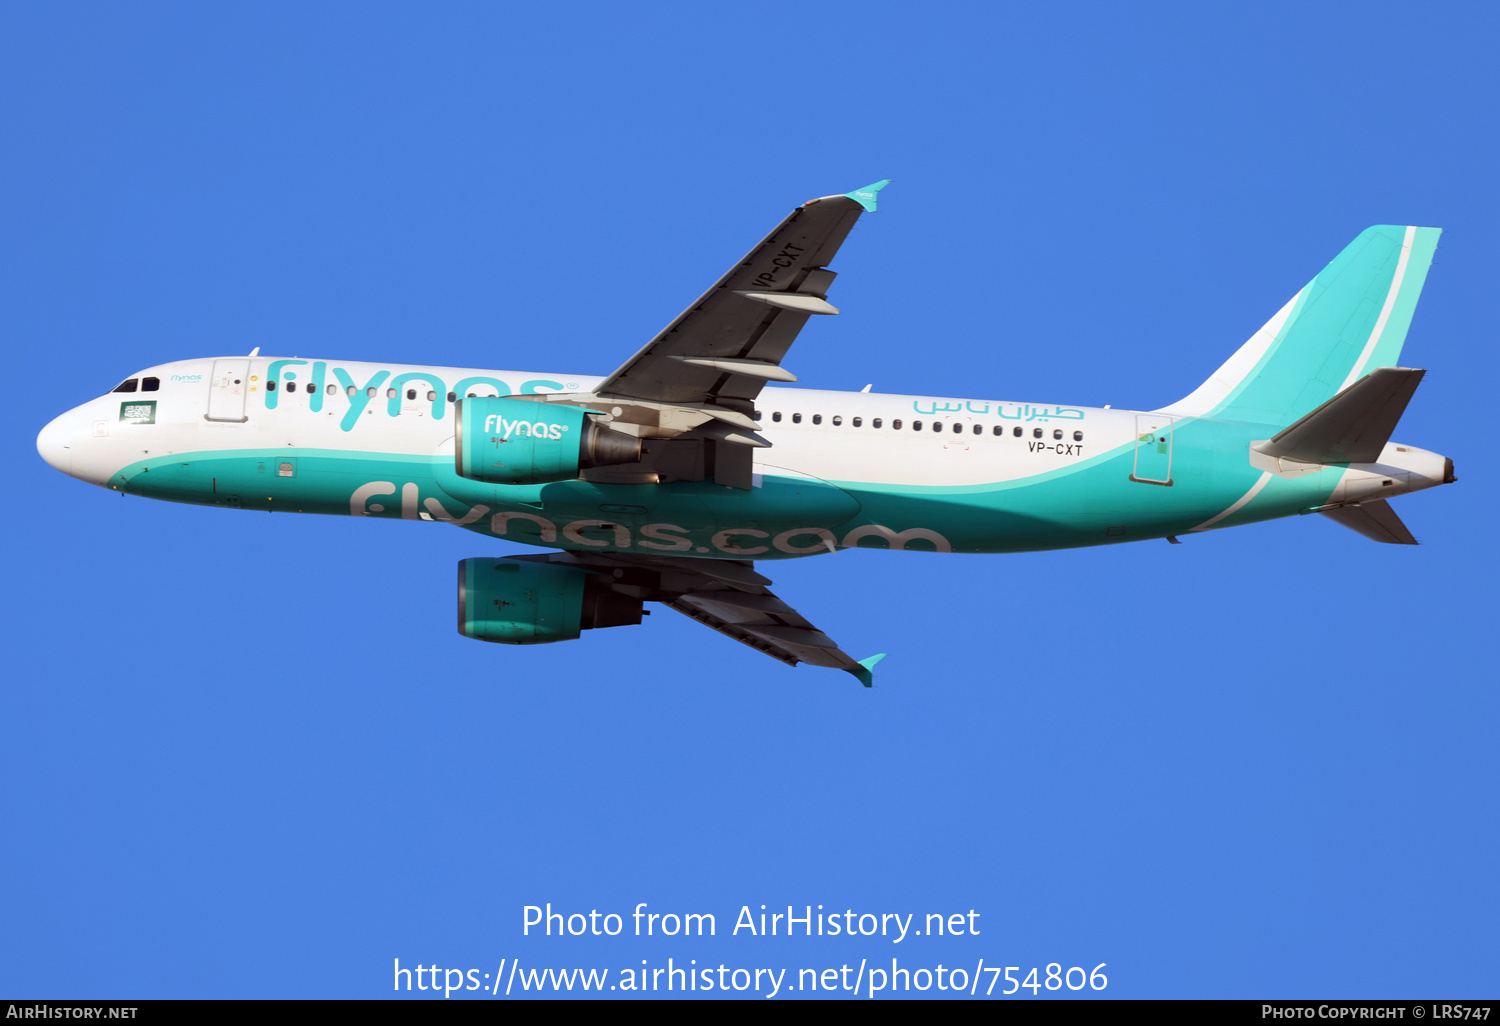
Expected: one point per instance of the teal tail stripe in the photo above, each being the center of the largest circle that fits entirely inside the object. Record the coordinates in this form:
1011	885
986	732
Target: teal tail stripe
1349	320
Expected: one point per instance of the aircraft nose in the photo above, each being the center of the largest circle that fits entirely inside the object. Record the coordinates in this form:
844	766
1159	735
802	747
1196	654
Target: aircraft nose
56	440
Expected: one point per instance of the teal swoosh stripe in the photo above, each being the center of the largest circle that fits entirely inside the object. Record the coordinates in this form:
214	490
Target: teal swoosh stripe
1335	315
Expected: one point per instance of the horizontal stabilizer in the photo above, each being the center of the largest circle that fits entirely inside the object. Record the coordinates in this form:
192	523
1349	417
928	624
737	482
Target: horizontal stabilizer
1353	426
1375	520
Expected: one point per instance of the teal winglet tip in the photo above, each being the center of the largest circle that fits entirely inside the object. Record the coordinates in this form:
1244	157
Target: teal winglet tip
865	672
866	197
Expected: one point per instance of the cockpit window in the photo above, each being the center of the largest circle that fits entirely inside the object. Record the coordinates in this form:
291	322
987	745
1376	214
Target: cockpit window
150	384
127	386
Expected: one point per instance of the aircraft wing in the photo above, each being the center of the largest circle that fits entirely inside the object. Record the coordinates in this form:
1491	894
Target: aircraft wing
721	351
727	595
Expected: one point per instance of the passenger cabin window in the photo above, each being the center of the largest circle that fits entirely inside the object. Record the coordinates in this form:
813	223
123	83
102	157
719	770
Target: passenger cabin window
411	393
817	418
152	384
978	429
916	425
796	418
332	390
999	429
1017	431
453	397
837	421
858	422
1036	433
776	417
1057	436
431	396
895	425
937	425
370	393
875	423
1077	436
351	390
756	415
390	393
271	385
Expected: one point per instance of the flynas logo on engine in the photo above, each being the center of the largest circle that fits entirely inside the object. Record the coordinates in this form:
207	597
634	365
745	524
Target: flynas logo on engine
538	429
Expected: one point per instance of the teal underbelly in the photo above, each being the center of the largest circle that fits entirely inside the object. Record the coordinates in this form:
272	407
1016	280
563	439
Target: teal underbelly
786	516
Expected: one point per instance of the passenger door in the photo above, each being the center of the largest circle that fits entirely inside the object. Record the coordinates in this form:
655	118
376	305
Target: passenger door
226	391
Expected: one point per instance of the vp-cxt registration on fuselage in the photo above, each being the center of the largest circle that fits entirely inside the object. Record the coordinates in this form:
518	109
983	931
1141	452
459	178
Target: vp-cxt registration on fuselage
667	479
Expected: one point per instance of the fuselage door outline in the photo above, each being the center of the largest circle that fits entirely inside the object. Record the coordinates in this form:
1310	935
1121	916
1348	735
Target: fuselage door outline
227	390
1153	449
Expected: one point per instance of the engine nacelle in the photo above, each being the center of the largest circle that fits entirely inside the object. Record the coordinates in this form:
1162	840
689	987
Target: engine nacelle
517	602
513	441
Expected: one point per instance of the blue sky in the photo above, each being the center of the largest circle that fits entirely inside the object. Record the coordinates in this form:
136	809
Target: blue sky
249	756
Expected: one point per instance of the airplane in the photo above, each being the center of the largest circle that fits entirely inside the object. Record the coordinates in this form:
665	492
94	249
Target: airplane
668	479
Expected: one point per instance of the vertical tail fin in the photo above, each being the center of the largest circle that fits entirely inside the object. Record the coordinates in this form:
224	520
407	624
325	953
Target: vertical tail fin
1349	320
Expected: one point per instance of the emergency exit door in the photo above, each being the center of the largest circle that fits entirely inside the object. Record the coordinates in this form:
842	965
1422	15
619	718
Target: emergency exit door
1153	449
226	391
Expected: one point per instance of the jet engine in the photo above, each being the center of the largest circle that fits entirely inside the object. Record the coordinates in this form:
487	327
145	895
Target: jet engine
513	441
516	602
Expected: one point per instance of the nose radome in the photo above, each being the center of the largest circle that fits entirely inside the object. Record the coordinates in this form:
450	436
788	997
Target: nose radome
55	442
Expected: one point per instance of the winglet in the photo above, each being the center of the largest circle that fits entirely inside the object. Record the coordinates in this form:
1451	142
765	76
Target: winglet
866	198
864	673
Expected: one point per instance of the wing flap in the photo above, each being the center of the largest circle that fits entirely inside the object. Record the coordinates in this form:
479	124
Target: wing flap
752	313
739	633
727	595
700	376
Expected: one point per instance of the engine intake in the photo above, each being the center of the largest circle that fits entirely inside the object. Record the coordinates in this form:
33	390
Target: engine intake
517	602
513	441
